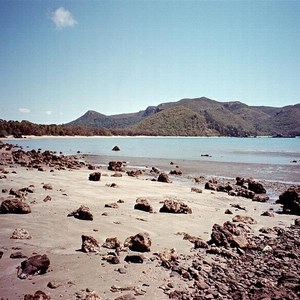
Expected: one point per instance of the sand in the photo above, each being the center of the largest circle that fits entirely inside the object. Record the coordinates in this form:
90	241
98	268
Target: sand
59	236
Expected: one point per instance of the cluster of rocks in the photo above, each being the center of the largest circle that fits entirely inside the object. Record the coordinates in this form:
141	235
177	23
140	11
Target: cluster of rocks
247	188
240	265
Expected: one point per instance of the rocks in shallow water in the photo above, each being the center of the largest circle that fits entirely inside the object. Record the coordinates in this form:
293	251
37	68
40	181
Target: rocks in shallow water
82	213
291	200
95	176
14	206
244	219
140	242
21	234
143	204
89	244
37	264
177	172
175	207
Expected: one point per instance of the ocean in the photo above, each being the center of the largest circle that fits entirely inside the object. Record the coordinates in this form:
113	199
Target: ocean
281	155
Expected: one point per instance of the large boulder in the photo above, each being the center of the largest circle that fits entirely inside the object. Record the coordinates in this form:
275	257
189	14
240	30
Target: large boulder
143	204
256	187
95	176
163	177
14	206
82	213
140	242
37	264
228	235
291	200
175	207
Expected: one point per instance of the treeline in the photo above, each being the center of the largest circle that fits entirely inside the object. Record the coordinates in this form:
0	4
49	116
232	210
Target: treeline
18	129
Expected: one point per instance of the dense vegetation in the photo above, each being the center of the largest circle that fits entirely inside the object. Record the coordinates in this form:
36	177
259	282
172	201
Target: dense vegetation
187	117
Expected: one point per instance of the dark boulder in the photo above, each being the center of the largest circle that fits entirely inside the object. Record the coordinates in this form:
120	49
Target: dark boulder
82	213
256	187
143	204
140	242
163	177
115	148
291	200
37	264
96	176
14	206
116	166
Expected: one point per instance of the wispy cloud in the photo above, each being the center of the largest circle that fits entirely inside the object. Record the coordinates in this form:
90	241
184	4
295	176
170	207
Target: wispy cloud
63	18
24	110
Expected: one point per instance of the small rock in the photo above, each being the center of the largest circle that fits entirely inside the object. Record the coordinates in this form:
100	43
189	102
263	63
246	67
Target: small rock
96	176
89	244
21	234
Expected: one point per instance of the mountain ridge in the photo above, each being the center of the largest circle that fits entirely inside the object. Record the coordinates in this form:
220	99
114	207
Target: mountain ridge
199	117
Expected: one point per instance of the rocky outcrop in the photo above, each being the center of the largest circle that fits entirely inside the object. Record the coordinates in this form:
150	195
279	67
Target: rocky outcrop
175	207
140	242
14	206
37	264
290	199
256	187
38	295
82	213
143	204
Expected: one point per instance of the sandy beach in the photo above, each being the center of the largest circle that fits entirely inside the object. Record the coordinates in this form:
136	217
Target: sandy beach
59	237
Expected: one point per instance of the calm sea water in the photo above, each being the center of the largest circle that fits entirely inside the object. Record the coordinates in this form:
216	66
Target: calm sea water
280	151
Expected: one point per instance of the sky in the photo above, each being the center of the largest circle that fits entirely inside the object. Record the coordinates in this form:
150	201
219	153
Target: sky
59	59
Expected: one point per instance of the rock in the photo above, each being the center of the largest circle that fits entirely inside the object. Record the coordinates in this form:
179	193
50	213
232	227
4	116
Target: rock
240	181
48	186
37	264
176	172
21	234
244	219
291	200
126	297
168	255
14	206
117	174
198	242
38	295
47	198
91	167
175	207
89	244
242	192
256	187
227	236
112	243
228	212
18	254
260	198
141	242
54	284
116	166
155	170
111	258
82	213
1	254
196	190
135	173
136	259
163	177
111	205
17	193
115	148
268	214
87	294
95	176
143	204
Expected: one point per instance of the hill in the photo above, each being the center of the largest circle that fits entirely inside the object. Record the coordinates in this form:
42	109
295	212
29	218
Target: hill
200	117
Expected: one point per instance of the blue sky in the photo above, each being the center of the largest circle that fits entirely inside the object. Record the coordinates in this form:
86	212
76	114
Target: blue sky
59	59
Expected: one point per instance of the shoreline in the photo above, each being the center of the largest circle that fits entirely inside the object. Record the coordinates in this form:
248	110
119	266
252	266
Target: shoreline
73	272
